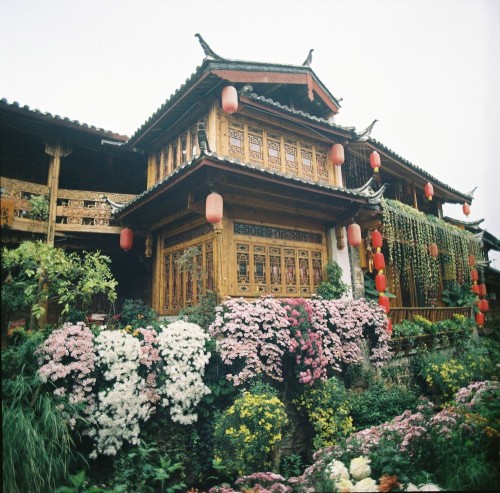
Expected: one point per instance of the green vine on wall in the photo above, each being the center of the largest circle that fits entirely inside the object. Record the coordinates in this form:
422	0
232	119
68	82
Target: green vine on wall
409	233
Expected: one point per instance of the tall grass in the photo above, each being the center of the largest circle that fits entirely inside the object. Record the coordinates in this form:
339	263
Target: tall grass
37	445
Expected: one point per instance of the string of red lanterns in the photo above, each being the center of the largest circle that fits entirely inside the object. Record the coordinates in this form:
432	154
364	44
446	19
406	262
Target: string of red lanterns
479	290
380	279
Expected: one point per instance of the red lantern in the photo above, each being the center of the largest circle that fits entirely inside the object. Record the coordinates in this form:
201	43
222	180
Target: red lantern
379	261
475	288
126	239
433	250
384	301
472	261
429	191
380	283
229	100
338	157
474	275
389	326
214	208
375	161
377	239
482	290
354	234
484	306
466	209
480	319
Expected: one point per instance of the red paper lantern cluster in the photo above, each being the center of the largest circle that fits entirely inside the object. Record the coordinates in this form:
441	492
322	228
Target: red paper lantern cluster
429	191
214	208
380	279
375	161
229	100
354	234
480	291
126	239
338	156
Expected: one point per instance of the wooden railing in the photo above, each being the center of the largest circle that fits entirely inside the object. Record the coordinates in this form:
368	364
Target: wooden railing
77	210
434	314
83	211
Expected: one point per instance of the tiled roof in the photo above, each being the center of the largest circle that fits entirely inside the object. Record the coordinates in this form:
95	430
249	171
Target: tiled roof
237	65
258	169
58	120
303	114
375	143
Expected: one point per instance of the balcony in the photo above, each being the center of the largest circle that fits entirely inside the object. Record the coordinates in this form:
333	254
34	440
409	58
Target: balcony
77	210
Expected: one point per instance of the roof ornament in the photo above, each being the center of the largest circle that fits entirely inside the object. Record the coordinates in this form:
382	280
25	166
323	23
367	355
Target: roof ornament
365	134
209	53
114	205
202	138
309	58
471	193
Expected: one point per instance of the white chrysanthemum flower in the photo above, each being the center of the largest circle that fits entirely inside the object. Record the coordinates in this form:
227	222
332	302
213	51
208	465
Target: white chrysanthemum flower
337	470
429	487
360	468
365	485
411	487
343	486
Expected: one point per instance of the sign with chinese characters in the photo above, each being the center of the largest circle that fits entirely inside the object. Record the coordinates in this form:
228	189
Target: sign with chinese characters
7	212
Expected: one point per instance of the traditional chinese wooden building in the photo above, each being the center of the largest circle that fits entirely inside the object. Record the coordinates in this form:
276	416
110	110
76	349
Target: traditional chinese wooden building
241	183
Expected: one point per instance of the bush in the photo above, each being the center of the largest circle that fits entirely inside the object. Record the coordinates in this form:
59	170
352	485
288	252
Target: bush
327	409
334	288
380	403
248	433
136	314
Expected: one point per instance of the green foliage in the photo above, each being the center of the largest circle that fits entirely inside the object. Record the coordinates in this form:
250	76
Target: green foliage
334	288
248	433
39	207
41	273
136	314
144	469
327	408
380	403
37	445
456	294
203	314
79	484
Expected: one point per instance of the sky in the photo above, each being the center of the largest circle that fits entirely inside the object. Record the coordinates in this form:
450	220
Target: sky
428	70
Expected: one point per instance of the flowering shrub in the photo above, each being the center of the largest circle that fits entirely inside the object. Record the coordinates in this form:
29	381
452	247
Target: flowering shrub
456	446
248	433
254	337
119	378
328	410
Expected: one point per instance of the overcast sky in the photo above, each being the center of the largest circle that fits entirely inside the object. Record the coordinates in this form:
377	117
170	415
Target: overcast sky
428	70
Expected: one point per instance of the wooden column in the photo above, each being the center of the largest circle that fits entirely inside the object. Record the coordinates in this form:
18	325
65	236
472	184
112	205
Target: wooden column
56	152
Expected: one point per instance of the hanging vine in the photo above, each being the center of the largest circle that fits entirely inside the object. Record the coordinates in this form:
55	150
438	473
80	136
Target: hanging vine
409	234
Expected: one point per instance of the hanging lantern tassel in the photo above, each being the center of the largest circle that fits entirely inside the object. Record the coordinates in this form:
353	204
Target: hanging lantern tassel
214	208
429	191
338	156
126	239
354	234
375	161
229	100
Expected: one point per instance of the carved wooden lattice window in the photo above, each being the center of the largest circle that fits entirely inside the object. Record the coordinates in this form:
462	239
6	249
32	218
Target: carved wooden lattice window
236	139
256	145
291	164
274	151
306	158
182	287
322	166
282	270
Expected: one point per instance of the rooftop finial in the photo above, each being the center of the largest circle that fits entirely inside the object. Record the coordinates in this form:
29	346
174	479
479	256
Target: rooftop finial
207	50
309	58
365	134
